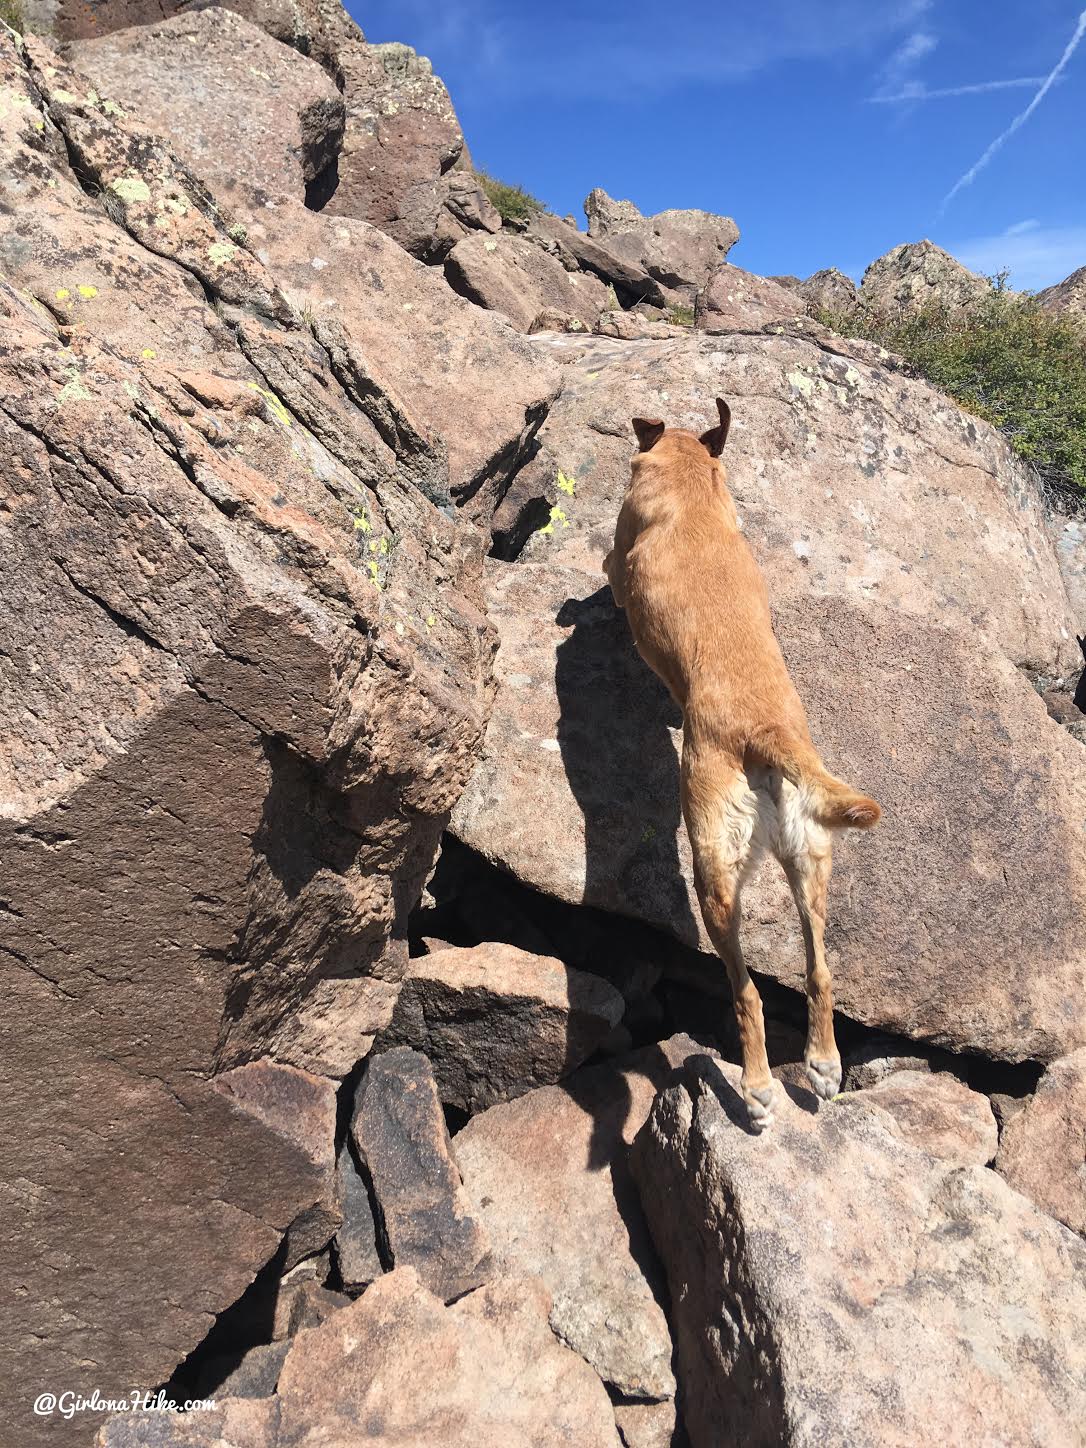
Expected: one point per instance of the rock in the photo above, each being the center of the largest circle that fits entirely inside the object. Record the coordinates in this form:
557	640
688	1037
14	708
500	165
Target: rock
917	274
228	755
576	251
829	291
935	1112
855	487
681	249
485	1372
450	374
302	1305
629	327
878	1058
548	1178
402	141
219	88
425	1219
1068	296
255	1376
357	1257
1006	1106
833	1242
240	1422
646	1425
549	320
508	274
1041	1150
302	1108
309	26
495	1021
737	301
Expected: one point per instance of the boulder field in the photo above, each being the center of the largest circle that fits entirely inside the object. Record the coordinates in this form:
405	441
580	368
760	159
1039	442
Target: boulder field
366	1067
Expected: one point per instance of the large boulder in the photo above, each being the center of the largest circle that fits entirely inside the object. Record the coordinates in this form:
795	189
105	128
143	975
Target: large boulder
831	1283
424	1218
549	1178
232	736
507	274
495	1021
403	162
256	120
935	1112
630	281
1068	296
915	275
738	301
398	1367
856	487
679	248
829	290
1041	1150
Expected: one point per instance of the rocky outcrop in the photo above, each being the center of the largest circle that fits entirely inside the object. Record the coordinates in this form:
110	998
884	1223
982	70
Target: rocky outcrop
933	1283
829	291
549	1178
358	1260
221	88
856	486
681	249
1068	296
935	1112
738	301
1041	1149
576	251
402	1367
508	274
216	815
424	1219
495	1021
916	275
402	167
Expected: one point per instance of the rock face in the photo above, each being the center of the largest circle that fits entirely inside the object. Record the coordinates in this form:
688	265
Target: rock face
856	486
829	291
910	277
1041	1150
631	282
425	1220
495	1021
357	1258
548	1177
508	274
783	1268
216	815
935	1112
403	141
1068	296
221	88
679	248
738	301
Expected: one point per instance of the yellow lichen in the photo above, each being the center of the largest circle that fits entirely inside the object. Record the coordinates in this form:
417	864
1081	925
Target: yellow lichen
275	404
86	291
220	252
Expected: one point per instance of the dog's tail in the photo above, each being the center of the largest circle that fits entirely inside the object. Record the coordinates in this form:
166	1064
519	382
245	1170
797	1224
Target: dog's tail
833	803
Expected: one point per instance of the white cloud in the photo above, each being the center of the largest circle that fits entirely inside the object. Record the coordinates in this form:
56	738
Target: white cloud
1020	120
1036	255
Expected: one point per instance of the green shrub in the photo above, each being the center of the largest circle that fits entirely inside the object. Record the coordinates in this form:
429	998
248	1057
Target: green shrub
11	13
1006	359
680	316
512	203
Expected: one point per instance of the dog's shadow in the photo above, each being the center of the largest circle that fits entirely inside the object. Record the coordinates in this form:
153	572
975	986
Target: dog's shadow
620	761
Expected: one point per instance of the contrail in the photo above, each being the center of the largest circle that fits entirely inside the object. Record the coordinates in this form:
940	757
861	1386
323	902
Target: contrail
1020	120
920	93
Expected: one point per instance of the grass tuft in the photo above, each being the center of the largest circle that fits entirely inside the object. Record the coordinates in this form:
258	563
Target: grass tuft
512	203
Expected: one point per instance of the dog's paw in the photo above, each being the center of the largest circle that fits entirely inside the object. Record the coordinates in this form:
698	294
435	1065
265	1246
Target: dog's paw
760	1107
825	1075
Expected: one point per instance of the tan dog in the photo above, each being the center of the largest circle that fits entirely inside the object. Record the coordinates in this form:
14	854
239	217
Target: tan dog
751	777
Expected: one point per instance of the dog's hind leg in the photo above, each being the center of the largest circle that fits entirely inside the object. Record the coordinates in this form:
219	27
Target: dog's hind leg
721	812
806	854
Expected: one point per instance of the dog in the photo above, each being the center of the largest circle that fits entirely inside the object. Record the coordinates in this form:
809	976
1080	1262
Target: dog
751	778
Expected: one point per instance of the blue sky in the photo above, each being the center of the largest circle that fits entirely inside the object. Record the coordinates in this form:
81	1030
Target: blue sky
822	126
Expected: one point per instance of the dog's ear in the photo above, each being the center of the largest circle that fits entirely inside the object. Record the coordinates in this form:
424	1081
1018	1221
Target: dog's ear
648	430
717	436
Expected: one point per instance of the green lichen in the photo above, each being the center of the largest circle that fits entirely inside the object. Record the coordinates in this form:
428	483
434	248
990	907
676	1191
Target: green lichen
566	485
73	390
221	252
275	405
131	189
